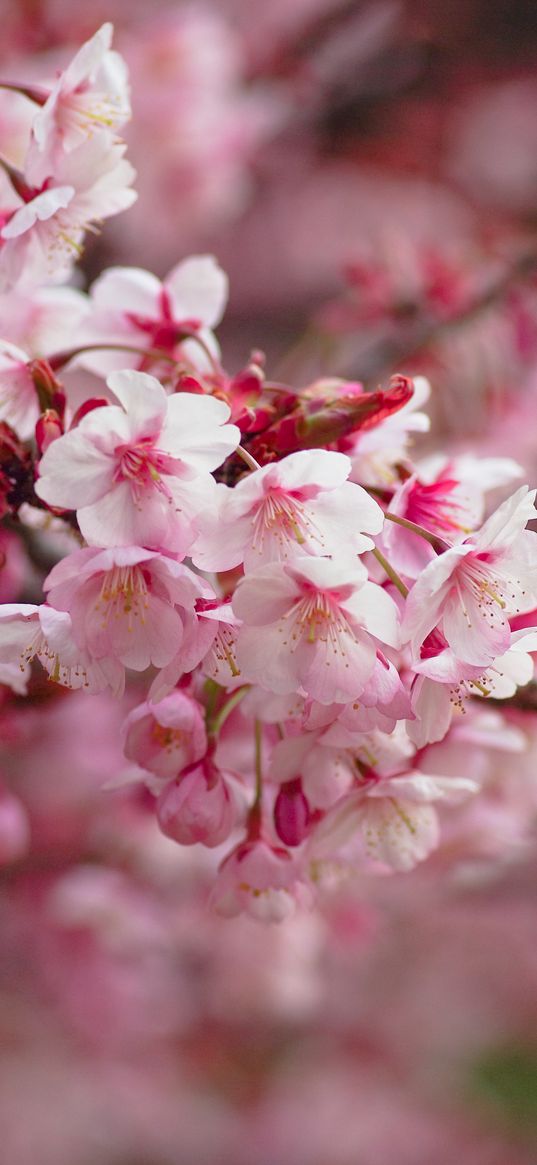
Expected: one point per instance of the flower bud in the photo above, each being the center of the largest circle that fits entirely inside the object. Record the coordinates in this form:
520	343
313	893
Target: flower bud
291	813
198	807
47	386
48	428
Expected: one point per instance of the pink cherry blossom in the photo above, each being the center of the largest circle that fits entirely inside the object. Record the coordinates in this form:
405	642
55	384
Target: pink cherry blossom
140	473
42	320
131	306
90	96
391	820
197	807
302	504
258	879
443	684
469	591
129	605
310	624
167	737
28	632
19	405
445	497
43	237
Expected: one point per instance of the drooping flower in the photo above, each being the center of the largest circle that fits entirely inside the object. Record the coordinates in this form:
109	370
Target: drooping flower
29	632
140	474
443	685
198	806
258	879
167	737
390	820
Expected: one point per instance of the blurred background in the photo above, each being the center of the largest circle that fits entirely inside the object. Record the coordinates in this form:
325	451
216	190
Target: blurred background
366	172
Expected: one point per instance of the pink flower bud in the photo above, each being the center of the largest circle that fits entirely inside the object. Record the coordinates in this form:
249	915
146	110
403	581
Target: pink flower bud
48	428
47	386
197	808
291	813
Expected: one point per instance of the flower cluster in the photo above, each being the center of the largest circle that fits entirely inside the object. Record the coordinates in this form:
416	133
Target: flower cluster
311	609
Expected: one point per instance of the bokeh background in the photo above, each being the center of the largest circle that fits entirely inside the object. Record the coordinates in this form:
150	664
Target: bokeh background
366	172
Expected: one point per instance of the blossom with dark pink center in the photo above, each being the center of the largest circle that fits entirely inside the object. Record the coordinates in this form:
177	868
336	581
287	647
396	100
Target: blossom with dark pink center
140	474
468	592
131	306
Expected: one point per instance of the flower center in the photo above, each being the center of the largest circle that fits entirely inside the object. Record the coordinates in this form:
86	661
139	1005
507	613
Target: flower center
123	593
282	518
142	466
318	617
168	738
434	507
488	591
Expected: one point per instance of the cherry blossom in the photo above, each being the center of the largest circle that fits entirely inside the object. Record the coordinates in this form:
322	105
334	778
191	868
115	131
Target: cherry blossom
42	238
443	684
28	632
131	306
302	504
469	591
19	405
392	820
447	500
139	472
167	737
310	623
90	96
128	604
258	879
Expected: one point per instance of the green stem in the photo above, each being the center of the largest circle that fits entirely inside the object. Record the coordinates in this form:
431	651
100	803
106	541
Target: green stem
434	540
217	722
392	574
